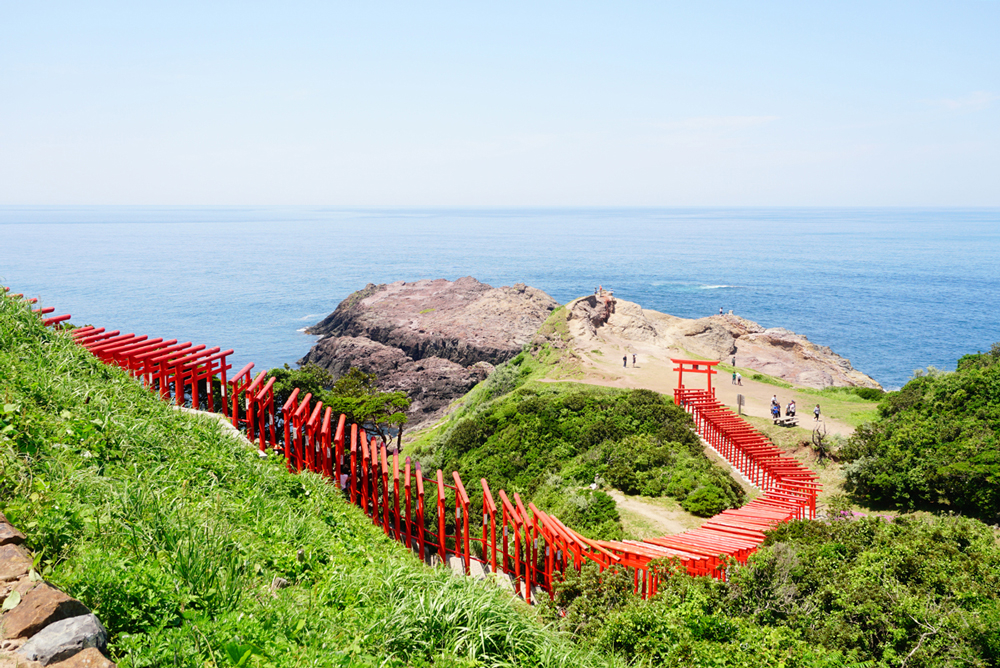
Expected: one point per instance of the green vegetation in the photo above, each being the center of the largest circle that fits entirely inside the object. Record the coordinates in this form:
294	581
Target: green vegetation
173	532
770	380
179	536
934	444
550	441
917	592
355	394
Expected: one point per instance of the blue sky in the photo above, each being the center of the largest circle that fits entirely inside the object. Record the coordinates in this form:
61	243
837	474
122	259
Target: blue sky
386	104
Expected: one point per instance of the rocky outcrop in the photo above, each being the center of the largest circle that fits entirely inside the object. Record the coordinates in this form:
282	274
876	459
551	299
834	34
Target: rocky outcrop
776	352
63	639
41	625
434	339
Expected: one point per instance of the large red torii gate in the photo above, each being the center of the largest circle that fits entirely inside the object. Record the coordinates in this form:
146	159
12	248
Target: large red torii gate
695	364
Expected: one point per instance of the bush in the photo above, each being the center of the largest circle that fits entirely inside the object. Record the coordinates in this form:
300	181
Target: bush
705	501
521	440
869	393
934	444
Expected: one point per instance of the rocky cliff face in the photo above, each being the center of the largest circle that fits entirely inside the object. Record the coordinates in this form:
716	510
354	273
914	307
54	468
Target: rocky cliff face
434	339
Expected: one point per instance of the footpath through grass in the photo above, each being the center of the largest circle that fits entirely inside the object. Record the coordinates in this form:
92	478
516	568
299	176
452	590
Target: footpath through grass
173	533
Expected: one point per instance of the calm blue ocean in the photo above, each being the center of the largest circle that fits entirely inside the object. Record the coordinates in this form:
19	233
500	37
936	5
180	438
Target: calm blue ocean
890	289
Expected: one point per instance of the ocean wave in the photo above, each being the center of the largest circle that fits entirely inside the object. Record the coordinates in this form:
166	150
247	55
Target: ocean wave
312	316
719	287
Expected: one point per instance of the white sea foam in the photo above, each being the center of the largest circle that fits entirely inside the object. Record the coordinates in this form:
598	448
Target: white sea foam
719	287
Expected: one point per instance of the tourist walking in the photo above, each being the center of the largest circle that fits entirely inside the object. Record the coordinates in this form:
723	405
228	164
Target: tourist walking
739	378
816	412
734	378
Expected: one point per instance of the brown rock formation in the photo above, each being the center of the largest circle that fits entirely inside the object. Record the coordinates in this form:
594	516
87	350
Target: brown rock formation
10	536
776	352
41	606
434	339
88	658
14	562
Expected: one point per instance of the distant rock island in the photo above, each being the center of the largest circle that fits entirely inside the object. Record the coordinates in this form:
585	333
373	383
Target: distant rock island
434	339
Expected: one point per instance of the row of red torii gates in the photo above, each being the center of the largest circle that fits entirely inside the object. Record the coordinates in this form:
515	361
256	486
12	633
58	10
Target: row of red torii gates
432	514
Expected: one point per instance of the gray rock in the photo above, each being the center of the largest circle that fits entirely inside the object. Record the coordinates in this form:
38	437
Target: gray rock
61	640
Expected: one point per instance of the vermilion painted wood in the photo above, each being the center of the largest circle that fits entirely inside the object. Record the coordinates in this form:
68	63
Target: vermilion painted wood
290	406
265	412
239	383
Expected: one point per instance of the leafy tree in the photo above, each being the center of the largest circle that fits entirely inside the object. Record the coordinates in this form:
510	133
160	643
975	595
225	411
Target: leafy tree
354	394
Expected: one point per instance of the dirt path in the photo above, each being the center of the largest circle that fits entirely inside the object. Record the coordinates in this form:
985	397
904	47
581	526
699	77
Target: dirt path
644	517
653	370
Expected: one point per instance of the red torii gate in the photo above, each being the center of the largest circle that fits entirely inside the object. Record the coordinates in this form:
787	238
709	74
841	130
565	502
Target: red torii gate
694	364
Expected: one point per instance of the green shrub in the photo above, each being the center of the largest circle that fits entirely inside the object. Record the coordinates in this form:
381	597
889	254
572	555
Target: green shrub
934	444
705	501
518	442
869	393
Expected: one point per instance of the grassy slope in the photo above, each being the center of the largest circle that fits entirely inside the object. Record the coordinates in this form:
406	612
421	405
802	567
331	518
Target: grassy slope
172	532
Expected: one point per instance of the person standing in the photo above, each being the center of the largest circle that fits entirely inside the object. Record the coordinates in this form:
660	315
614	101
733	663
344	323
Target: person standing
633	360
720	310
774	400
625	361
734	378
739	378
816	412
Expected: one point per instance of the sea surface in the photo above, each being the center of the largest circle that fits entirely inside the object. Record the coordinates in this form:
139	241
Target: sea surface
893	290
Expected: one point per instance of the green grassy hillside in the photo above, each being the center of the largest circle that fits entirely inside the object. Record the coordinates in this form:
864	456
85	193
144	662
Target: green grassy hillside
173	532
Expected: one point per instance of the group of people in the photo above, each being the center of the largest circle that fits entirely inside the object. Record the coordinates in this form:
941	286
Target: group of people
789	409
776	408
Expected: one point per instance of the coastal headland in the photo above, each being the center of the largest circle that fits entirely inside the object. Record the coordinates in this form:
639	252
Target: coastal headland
436	339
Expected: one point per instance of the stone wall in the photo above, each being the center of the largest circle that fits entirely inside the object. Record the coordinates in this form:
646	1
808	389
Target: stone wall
40	624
